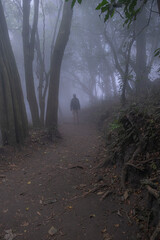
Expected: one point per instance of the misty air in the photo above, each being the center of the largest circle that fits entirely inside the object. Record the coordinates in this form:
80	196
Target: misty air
79	119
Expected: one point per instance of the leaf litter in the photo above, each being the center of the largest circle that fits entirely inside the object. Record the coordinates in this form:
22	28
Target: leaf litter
9	235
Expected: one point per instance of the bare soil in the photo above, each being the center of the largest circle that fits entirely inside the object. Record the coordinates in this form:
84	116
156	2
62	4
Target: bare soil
55	190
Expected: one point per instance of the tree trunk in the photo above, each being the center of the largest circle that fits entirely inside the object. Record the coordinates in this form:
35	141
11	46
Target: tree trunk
113	81
141	58
125	79
56	61
56	26
13	118
28	49
43	83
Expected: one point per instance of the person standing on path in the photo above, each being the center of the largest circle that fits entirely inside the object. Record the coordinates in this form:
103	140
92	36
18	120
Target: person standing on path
75	107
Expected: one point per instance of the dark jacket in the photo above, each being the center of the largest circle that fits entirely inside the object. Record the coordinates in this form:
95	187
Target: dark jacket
75	105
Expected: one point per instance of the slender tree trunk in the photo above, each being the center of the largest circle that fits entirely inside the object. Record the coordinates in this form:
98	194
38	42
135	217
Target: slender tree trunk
13	118
56	26
28	49
125	79
141	58
56	61
41	77
42	74
113	81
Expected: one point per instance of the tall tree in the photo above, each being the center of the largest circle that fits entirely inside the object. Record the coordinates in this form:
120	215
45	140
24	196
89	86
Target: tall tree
55	67
28	35
13	118
42	72
141	56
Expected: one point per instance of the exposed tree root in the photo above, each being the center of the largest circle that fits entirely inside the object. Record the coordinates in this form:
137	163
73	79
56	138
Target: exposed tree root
134	145
129	164
149	182
54	134
156	194
136	152
156	232
153	192
150	160
125	172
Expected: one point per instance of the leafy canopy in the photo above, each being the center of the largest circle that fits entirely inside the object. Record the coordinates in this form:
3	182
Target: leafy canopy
130	8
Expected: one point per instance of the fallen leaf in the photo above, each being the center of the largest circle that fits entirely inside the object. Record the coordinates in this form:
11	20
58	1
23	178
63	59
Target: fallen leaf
24	224
82	185
27	208
116	225
9	235
70	207
92	216
39	213
104	230
100	193
5	210
29	182
119	214
125	195
52	231
106	236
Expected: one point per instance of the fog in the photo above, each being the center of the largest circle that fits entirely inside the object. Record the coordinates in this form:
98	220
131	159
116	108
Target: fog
80	119
96	55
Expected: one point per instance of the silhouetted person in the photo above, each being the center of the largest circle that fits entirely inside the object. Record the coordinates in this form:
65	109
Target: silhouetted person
75	107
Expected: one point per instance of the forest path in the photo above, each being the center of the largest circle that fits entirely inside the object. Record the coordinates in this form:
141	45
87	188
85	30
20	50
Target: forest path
45	189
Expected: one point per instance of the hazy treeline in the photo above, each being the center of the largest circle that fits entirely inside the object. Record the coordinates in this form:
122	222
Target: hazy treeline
60	51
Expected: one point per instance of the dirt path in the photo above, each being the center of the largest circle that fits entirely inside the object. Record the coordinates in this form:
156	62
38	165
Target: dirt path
45	189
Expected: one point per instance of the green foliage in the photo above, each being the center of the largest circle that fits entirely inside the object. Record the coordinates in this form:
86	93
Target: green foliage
131	8
107	7
115	125
157	52
153	166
